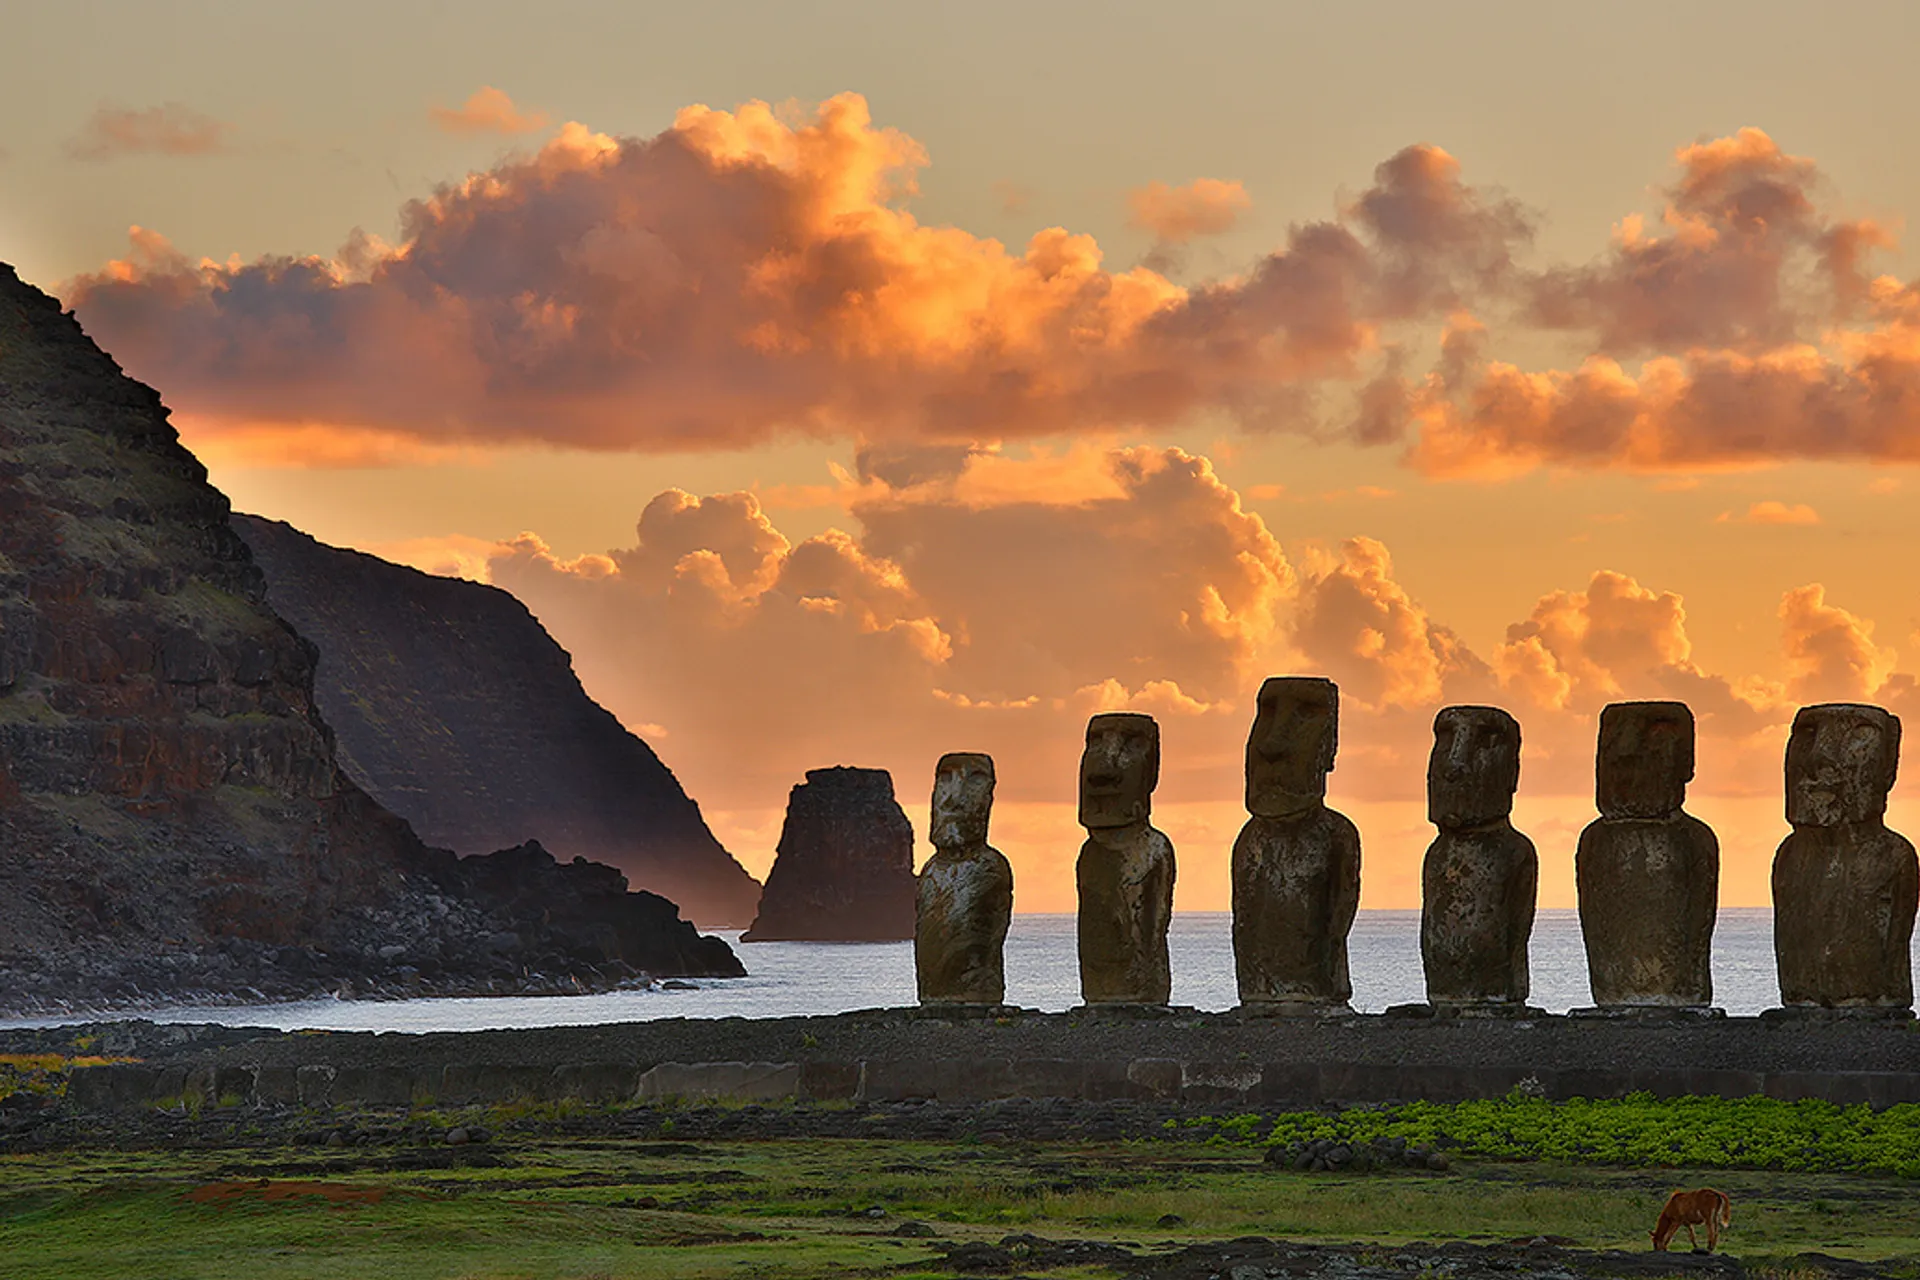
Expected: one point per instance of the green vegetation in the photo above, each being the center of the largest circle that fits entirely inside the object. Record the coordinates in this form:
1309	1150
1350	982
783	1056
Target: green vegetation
529	1204
1639	1130
42	1074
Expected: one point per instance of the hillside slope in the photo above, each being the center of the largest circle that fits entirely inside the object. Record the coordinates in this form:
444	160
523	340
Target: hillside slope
172	813
454	708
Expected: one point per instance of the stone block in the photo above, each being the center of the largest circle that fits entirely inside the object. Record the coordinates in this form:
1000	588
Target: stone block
596	1081
732	1081
465	1084
314	1084
1289	1082
276	1086
117	1087
1048	1078
1155	1077
1216	1083
169	1084
976	1080
829	1081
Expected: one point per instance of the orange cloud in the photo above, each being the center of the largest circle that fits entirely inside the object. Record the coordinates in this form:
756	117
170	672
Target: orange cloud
170	129
739	277
488	110
1175	215
1831	654
1360	626
943	621
1772	512
1740	221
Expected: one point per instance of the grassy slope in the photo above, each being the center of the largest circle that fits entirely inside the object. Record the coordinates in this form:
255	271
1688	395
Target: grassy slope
557	1208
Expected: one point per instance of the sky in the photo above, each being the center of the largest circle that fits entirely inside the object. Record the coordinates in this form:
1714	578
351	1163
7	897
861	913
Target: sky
848	384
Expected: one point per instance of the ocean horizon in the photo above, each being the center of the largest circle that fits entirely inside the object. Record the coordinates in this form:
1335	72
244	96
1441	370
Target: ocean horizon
792	979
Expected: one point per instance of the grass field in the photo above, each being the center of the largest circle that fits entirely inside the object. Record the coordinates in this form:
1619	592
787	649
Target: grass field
606	1208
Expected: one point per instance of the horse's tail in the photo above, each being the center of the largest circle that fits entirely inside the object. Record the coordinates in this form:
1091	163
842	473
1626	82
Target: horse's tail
1726	1209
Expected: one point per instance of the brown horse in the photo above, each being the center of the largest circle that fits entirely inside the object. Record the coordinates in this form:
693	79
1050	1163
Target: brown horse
1706	1207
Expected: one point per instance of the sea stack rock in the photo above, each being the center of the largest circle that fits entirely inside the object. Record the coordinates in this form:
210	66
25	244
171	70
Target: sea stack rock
1125	872
843	871
1648	872
965	892
453	707
1480	878
173	816
1296	865
1844	886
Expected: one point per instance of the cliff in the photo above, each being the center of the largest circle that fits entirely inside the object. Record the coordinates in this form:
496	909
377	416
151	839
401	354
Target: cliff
172	815
455	709
843	871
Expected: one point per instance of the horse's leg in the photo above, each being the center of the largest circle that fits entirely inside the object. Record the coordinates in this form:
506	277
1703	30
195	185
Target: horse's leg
1693	1241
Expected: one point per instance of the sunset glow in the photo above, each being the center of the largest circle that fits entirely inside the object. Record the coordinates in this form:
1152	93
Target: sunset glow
823	423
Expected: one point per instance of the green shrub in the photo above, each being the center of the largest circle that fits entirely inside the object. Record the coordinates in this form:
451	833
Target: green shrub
1697	1132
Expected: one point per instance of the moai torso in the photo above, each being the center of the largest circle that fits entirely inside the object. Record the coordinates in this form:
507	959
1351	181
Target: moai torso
1844	886
1648	873
1480	877
1296	865
1125	872
964	894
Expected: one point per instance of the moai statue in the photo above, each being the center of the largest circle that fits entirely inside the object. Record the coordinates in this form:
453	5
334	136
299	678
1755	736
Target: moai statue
1844	887
964	895
1125	871
1480	877
1648	872
1296	865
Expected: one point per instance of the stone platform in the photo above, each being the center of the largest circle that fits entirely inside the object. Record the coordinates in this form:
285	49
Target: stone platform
1211	1060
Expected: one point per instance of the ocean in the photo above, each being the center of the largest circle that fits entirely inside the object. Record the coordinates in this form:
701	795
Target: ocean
787	979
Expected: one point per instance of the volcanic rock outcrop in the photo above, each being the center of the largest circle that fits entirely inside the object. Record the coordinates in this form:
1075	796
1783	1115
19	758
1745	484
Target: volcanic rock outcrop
843	871
172	815
454	708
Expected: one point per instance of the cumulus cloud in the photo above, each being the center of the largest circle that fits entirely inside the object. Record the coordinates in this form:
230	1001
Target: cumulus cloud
1761	333
739	276
1746	257
1772	511
1360	626
1831	653
170	129
1175	215
969	605
962	611
488	110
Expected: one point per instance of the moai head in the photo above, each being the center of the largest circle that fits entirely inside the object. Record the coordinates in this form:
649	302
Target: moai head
1475	766
1296	729
962	799
1841	759
1119	770
1645	759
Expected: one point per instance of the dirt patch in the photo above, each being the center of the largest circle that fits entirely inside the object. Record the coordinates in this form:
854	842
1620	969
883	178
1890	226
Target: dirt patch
270	1191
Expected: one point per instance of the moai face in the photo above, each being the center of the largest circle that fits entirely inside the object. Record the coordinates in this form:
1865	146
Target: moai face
1645	759
962	799
1474	768
1296	730
1119	770
1841	759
